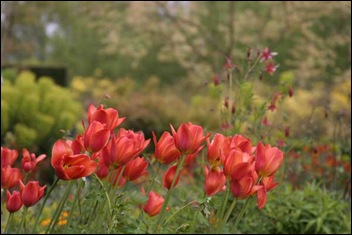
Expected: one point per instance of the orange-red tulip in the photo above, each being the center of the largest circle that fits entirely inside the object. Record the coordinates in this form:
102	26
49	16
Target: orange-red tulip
109	117
10	177
268	159
215	148
31	193
189	137
135	168
68	166
96	136
165	150
214	181
244	187
154	204
237	164
169	177
29	161
13	201
8	156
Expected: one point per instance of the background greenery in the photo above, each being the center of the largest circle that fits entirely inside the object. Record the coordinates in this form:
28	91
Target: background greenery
155	62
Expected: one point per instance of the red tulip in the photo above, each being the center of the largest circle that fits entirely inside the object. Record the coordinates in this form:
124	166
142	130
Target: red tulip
215	148
165	150
214	181
237	164
14	201
126	146
8	156
268	159
135	168
68	166
169	177
267	184
10	177
188	137
29	161
244	187
109	117
31	193
154	204
96	136
241	142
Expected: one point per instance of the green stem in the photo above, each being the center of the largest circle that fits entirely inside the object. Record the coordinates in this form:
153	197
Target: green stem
154	177
73	206
43	204
105	192
23	219
168	195
9	219
240	215
26	177
59	209
223	206
229	211
178	211
193	226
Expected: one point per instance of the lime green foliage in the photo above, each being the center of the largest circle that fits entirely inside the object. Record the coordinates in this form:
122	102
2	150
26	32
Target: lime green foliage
33	113
310	210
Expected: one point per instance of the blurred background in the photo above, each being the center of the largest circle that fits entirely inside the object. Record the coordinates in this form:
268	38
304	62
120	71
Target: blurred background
157	63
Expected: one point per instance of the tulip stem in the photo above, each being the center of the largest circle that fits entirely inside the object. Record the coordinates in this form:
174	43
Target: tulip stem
178	211
240	215
154	177
23	219
105	192
224	203
43	204
73	206
229	211
161	216
9	219
59	209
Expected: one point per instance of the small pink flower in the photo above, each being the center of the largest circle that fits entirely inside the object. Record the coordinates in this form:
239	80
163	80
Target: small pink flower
270	68
29	161
267	55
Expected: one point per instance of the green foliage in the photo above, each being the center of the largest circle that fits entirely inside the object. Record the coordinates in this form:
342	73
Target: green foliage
33	113
311	210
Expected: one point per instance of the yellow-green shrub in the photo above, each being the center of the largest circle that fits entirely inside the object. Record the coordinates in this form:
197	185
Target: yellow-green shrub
33	112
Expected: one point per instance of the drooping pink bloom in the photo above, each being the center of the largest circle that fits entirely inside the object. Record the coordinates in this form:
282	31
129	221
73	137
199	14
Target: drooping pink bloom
29	161
216	80
267	55
270	68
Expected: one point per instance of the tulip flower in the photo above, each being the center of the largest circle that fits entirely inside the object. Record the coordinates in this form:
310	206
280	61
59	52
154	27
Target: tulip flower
215	148
165	149
109	117
31	193
267	184
10	177
241	142
169	177
8	156
135	168
69	166
13	201
29	161
237	164
214	181
154	204
268	159
188	137
126	146
96	136
244	187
